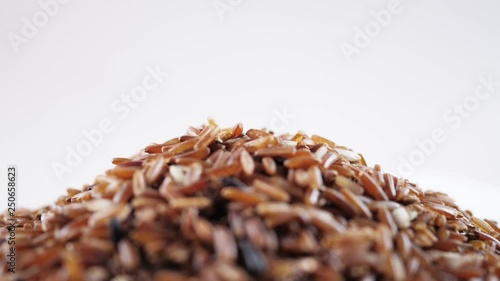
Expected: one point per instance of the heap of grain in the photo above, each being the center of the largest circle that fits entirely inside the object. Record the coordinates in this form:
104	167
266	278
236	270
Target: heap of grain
228	205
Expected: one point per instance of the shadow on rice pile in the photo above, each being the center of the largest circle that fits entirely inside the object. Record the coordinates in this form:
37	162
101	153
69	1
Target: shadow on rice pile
229	205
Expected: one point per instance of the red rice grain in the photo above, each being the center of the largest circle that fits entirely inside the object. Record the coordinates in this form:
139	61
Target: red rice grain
223	205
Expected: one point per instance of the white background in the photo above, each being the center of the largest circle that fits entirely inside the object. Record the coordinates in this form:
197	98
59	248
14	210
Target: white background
259	58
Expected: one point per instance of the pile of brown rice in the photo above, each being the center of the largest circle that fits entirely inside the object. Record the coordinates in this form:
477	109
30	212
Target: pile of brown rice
228	205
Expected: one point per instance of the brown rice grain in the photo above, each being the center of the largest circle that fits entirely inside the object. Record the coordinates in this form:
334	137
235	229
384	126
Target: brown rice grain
227	205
